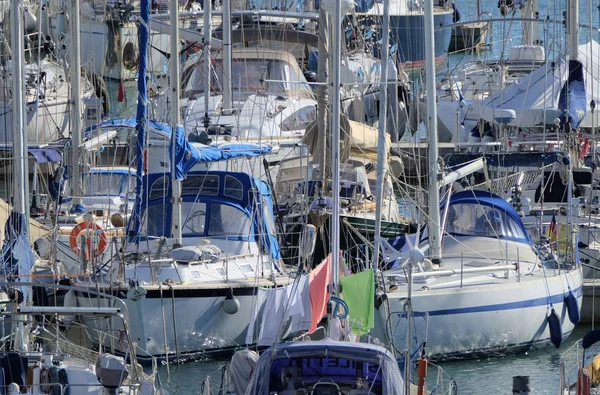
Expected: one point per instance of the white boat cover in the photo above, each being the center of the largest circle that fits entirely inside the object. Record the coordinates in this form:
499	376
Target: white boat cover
534	99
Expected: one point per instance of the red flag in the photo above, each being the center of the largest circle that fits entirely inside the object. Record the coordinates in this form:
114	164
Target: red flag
319	278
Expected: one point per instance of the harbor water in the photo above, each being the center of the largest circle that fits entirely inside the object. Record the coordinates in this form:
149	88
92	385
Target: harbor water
491	375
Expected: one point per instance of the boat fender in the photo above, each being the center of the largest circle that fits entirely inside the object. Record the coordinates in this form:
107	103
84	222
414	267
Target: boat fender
231	304
555	329
572	308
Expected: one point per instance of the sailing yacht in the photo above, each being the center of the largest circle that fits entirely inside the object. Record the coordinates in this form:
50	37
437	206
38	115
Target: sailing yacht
478	281
200	242
493	291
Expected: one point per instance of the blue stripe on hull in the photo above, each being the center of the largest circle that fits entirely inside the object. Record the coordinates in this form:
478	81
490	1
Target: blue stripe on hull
559	298
408	31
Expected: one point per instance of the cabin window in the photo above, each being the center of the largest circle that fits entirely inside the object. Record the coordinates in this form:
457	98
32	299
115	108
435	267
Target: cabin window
193	218
247	77
105	184
160	188
207	185
129	184
228	221
300	119
155	220
246	268
479	220
233	188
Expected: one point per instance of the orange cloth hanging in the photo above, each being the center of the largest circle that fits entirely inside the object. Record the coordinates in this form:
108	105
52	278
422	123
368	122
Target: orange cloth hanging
319	279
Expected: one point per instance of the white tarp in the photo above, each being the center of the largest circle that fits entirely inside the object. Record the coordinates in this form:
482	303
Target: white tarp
533	100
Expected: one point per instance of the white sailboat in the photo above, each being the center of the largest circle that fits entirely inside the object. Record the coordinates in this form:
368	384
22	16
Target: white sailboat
483	286
199	247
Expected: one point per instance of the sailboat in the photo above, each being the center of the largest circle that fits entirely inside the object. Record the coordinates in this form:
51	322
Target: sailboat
477	279
199	247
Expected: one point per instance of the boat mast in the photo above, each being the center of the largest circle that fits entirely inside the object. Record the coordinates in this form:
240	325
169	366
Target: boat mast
227	83
573	53
336	28
75	74
572	29
21	171
206	31
530	27
175	124
435	248
381	154
322	92
140	117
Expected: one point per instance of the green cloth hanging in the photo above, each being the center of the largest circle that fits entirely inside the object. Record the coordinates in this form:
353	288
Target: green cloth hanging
358	291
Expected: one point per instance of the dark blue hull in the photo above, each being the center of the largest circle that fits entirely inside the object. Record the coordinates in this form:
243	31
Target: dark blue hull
408	31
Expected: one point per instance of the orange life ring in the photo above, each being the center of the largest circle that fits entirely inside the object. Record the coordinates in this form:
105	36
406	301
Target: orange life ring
87	226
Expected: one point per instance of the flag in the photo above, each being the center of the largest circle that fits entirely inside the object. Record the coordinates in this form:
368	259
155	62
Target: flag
358	292
318	280
553	233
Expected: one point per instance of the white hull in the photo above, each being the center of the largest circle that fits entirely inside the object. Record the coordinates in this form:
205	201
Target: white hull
486	318
194	313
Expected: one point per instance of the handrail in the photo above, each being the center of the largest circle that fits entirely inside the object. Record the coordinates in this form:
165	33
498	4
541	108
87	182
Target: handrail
452	272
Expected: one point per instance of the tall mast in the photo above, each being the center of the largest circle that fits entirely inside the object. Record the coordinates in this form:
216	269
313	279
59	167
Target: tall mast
75	70
227	83
21	172
572	29
336	28
530	27
322	91
206	31
140	117
20	146
175	124
381	154
435	248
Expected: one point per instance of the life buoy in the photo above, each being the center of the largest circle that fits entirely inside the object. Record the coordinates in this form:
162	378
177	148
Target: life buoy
97	229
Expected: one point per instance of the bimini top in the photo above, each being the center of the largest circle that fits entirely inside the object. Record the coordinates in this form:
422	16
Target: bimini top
342	362
481	213
215	204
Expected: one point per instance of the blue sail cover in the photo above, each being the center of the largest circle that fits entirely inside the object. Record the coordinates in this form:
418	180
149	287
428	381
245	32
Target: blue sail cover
189	154
129	123
17	255
186	155
572	99
40	154
133	226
